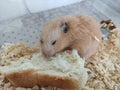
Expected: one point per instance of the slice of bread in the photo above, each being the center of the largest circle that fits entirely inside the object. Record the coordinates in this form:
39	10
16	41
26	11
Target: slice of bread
65	71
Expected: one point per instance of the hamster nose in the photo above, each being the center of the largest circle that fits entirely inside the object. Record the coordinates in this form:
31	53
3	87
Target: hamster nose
47	52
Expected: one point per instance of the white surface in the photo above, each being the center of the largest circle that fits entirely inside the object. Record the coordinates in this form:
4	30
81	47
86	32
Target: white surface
15	8
11	8
41	5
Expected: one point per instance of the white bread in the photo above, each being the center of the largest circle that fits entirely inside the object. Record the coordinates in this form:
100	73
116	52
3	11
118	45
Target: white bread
65	71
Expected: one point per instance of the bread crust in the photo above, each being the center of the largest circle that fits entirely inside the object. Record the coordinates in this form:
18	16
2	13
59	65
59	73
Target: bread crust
31	77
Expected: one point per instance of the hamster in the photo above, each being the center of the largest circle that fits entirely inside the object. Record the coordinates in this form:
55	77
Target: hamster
80	32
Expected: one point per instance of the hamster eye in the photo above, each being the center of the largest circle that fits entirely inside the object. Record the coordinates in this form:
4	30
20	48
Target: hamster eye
41	41
53	43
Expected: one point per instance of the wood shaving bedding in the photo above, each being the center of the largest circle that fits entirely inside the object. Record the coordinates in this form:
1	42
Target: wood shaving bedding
103	68
12	52
105	65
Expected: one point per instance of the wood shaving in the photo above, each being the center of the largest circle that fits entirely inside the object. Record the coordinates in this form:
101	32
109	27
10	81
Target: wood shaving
105	65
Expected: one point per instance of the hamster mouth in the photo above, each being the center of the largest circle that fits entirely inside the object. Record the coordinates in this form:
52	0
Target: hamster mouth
68	50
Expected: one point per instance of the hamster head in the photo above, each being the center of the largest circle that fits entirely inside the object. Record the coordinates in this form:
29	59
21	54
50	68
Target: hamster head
54	37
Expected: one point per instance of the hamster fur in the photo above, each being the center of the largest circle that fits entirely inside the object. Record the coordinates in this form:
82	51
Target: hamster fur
80	32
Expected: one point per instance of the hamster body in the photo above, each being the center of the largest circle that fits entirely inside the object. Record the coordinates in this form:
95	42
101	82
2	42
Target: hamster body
80	32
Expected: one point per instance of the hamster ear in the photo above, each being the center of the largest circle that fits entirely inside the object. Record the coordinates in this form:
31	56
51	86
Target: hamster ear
64	27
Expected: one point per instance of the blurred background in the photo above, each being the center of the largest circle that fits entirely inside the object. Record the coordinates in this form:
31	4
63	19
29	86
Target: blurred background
15	8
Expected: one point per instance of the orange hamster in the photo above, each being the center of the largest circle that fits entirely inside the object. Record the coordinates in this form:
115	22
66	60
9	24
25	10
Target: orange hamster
80	32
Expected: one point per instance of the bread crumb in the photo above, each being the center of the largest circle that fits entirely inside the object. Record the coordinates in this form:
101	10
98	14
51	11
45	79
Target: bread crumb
35	88
20	88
